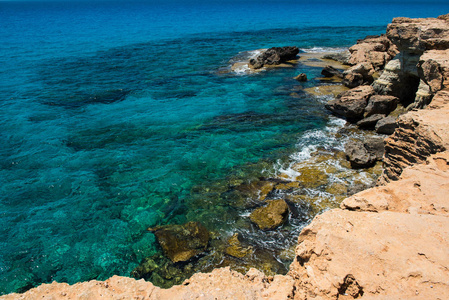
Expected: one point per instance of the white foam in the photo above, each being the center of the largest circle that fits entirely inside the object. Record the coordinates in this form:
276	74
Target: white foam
242	69
239	63
323	49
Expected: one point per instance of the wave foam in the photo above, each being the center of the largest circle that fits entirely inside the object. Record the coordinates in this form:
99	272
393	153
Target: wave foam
323	49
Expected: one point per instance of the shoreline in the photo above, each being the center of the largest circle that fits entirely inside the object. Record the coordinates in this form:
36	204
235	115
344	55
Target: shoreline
353	224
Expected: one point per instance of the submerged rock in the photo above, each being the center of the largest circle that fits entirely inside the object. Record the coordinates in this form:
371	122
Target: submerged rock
274	56
182	242
271	216
311	177
235	247
248	194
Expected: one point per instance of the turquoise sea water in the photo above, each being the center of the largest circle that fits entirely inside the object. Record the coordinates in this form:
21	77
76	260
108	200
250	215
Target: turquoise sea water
117	116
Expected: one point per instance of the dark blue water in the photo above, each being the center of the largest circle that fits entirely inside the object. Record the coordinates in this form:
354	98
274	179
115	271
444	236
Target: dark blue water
116	115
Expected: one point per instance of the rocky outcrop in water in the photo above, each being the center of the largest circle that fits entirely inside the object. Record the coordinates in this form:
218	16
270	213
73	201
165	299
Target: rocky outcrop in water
271	216
182	242
274	56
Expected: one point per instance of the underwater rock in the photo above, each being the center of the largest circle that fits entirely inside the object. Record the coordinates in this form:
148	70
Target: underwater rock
311	177
274	56
182	242
248	194
235	247
271	216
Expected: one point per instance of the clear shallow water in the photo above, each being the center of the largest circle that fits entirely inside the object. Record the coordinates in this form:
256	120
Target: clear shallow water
115	116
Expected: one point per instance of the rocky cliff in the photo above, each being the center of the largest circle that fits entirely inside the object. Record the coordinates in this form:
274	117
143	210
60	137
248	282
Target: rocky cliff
387	242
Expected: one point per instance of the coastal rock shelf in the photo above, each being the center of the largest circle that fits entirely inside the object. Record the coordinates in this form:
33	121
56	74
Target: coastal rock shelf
388	242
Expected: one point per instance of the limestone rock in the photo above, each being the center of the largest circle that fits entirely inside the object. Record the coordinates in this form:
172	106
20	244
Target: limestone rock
389	255
420	69
370	122
364	154
351	104
419	34
397	80
274	56
182	242
342	57
271	216
380	104
360	74
419	134
386	125
422	189
375	50
219	284
235	247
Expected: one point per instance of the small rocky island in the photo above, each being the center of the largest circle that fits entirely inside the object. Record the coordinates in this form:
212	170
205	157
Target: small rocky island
390	241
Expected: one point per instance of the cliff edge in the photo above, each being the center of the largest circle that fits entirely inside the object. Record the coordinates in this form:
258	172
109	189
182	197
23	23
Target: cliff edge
387	242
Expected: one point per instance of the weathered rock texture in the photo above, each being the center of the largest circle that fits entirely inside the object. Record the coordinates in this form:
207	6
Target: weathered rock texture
374	50
271	216
421	68
419	134
219	284
182	242
387	243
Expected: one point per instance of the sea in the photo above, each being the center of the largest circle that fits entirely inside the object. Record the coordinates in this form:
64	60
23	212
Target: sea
118	116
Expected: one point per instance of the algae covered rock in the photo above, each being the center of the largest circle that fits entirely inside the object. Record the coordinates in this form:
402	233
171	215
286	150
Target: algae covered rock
248	194
235	247
182	242
311	177
271	216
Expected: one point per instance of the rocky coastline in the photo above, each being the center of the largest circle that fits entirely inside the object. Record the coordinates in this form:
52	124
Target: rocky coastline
389	241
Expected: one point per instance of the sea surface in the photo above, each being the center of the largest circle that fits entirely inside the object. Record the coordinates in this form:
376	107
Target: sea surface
116	116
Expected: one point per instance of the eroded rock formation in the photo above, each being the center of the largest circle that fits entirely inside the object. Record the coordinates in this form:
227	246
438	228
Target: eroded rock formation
421	67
